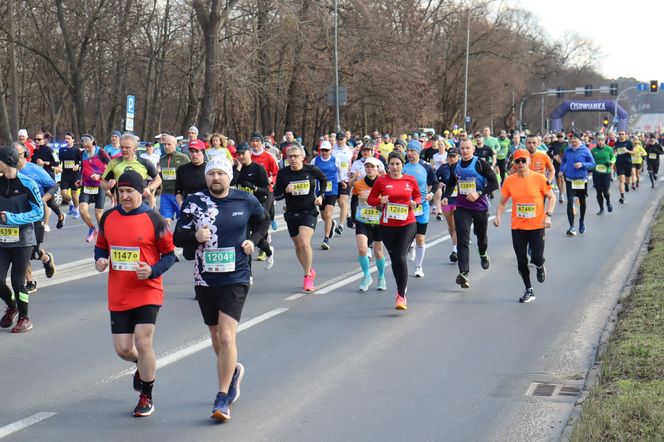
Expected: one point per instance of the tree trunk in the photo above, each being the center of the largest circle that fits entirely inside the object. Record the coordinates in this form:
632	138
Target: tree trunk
5	130
13	88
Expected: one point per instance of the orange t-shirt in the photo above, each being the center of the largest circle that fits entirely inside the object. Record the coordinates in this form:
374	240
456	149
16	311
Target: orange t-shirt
539	162
527	195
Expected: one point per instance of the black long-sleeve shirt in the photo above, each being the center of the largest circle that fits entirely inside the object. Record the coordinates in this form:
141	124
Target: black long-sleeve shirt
190	179
253	178
303	197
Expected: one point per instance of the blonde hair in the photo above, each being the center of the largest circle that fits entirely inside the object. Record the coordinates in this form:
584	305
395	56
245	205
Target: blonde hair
223	141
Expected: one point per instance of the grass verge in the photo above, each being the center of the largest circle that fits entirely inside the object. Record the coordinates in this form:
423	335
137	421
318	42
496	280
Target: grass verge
628	401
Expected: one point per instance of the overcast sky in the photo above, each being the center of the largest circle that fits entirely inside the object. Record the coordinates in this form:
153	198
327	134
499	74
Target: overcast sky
629	32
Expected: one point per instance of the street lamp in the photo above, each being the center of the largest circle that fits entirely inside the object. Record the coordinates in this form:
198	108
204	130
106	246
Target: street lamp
336	62
465	87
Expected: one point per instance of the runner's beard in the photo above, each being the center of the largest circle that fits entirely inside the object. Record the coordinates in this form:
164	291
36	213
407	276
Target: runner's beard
217	188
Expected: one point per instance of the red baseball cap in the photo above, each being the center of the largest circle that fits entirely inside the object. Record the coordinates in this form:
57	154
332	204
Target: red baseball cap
196	144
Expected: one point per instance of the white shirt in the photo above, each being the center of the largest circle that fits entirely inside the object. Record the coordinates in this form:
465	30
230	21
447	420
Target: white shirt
439	159
359	171
345	157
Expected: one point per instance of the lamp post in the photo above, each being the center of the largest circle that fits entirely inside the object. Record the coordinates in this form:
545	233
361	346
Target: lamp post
336	63
465	87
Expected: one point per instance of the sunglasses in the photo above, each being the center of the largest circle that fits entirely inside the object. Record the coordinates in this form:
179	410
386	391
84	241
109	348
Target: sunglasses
39	139
520	161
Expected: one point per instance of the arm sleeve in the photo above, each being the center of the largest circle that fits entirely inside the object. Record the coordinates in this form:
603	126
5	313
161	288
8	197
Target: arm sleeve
488	173
101	246
451	182
259	222
36	212
431	179
322	180
179	185
280	186
185	230
263	183
376	190
166	249
417	196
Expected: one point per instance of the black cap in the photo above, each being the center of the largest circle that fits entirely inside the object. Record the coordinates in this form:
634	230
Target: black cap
131	178
257	136
400	142
9	156
242	147
574	134
341	136
452	151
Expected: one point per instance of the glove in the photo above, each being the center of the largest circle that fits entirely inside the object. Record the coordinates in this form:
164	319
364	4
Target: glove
248	185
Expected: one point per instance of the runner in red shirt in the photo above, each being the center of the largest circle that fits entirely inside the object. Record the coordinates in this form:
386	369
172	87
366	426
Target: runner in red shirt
137	243
397	195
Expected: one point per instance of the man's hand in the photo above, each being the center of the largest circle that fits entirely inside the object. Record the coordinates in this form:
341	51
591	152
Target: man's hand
384	199
578	165
429	196
413	204
444	201
318	201
248	247
101	264
203	234
496	222
472	196
547	222
143	271
39	162
289	188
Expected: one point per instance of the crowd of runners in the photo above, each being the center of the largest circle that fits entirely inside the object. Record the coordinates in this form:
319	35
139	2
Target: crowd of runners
214	199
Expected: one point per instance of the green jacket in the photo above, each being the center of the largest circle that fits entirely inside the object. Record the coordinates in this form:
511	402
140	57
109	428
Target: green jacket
168	165
604	158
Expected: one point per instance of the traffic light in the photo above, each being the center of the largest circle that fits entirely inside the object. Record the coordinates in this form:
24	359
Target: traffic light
589	90
653	86
613	89
559	92
606	122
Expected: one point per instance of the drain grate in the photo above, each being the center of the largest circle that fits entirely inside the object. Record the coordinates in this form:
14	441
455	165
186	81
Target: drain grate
546	389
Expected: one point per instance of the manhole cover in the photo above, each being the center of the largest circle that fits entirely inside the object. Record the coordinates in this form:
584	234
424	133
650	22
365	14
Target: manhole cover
552	390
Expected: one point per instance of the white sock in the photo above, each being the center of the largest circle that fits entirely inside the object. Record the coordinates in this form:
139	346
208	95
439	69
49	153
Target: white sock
454	249
419	255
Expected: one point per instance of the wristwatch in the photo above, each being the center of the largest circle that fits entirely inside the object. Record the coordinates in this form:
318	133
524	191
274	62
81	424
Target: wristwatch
549	214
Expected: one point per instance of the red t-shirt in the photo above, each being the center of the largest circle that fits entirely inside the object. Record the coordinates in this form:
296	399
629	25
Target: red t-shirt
266	160
125	237
397	212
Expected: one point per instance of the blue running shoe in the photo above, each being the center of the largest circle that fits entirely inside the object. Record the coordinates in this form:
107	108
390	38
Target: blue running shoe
366	283
234	388
221	410
275	225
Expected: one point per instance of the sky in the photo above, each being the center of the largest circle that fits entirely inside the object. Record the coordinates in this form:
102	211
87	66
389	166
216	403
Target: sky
629	32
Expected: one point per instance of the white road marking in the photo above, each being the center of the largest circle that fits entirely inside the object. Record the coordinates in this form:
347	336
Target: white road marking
190	348
24	423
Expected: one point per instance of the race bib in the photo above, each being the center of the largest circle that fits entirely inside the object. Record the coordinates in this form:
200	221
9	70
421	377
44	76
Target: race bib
652	156
369	215
601	168
466	187
344	165
168	173
90	190
621	150
69	164
578	184
328	188
525	210
301	187
455	193
219	260
125	259
418	211
397	211
9	234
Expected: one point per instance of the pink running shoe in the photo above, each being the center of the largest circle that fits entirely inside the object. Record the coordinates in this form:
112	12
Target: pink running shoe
401	303
309	281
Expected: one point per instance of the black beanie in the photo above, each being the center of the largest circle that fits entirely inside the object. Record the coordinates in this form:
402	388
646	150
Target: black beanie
9	156
133	179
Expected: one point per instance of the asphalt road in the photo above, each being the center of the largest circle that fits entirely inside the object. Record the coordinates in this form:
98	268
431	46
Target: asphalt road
337	364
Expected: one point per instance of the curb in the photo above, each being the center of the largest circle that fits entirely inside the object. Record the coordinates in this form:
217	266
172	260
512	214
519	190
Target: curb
593	374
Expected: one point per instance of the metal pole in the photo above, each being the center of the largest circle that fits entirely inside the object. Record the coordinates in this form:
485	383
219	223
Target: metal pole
523	101
336	62
465	88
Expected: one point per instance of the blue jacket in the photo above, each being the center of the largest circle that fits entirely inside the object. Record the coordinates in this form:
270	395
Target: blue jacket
39	176
580	155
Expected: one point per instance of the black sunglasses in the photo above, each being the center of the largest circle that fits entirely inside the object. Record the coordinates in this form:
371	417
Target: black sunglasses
520	161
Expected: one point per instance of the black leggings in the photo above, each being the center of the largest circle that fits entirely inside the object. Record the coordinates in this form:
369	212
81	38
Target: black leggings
521	241
18	258
581	194
463	218
397	240
602	182
54	207
270	206
653	170
502	164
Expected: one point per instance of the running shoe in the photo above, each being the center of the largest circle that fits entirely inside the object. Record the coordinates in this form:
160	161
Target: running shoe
350	223
221	410
621	200
561	199
462	280
571	231
439	217
145	407
419	272
269	261
76	214
136	381
339	229
49	266
236	380
626	188
71	209
382	285
609	207
601	212
453	256
366	283
401	302
274	224
411	252
333	228
485	261
30	286
9	317
582	228
23	325
309	281
528	296
261	256
541	273
61	221
92	232
325	245
47	228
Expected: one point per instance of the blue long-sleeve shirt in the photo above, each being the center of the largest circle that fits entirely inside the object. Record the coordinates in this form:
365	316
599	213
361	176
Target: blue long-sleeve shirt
572	156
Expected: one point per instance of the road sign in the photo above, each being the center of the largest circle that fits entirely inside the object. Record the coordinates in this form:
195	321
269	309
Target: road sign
604	89
343	96
579	90
468	119
642	87
131	102
551	92
129	124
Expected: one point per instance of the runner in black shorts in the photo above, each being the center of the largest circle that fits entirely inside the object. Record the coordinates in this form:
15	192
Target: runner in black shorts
623	150
302	186
70	158
221	266
331	167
